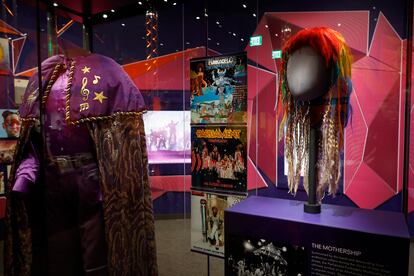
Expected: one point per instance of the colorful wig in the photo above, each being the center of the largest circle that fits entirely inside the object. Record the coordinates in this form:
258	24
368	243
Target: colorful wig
295	123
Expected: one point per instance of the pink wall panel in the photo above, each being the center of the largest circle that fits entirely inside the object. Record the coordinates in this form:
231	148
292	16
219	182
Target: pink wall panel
355	139
353	25
386	44
267	154
411	158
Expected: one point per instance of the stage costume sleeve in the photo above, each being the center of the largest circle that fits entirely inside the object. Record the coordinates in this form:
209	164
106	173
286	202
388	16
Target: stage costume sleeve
18	234
27	171
128	214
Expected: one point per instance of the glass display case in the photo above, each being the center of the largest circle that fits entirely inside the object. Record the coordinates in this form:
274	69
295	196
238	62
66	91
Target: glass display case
155	41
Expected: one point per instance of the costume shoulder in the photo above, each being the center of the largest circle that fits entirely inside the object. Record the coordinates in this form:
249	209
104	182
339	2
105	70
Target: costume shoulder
30	107
97	88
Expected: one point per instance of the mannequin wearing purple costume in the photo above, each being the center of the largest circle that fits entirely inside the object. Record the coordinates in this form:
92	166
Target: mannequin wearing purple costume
75	230
94	223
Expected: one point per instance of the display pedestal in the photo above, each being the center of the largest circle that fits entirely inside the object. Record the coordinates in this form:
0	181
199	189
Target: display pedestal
275	234
312	206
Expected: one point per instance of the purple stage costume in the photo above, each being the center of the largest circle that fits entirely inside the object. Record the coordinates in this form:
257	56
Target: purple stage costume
93	213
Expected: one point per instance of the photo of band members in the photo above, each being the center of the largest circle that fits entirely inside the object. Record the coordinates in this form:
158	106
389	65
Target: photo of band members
207	223
262	257
168	136
219	158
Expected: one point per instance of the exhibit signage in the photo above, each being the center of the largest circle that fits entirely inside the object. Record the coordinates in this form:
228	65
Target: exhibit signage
256	40
276	54
339	241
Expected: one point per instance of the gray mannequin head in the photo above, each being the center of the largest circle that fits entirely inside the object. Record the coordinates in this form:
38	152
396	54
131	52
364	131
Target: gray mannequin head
308	77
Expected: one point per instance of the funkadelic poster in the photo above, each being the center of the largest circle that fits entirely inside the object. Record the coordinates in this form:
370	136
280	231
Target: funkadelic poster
219	90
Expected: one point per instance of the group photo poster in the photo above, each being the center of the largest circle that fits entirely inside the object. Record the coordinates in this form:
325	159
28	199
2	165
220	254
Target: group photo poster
247	256
207	221
219	158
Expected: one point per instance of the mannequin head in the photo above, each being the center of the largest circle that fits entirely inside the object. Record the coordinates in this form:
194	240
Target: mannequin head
314	90
308	77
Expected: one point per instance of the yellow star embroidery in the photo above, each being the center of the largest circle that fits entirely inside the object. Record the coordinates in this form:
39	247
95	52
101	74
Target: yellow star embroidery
99	97
86	69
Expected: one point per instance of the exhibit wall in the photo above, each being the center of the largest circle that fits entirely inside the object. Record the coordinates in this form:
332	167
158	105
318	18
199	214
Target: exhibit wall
410	166
155	47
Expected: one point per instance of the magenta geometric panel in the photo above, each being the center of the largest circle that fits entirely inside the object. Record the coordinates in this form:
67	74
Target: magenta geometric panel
386	44
355	140
352	25
378	91
262	125
411	157
266	127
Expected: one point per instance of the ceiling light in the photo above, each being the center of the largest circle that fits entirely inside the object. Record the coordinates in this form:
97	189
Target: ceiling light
206	15
104	15
198	17
242	39
254	15
140	3
234	34
267	26
209	38
339	24
112	10
218	23
218	43
55	4
123	24
174	4
244	6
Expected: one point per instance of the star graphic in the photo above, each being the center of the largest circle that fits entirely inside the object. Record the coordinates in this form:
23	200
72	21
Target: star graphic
86	69
99	97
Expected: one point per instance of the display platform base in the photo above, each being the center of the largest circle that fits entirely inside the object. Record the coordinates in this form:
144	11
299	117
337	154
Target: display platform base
269	235
311	208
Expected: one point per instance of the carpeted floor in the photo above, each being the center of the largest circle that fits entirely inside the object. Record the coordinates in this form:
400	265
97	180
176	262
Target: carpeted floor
174	255
176	259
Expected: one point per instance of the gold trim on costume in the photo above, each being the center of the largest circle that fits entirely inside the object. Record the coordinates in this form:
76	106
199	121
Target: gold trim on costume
99	118
67	91
50	83
29	119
